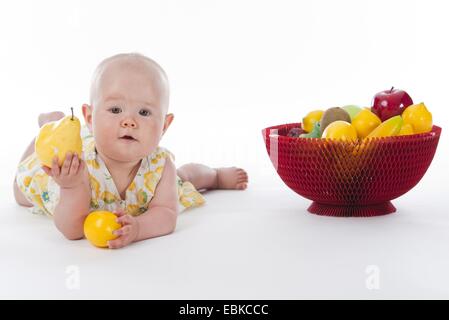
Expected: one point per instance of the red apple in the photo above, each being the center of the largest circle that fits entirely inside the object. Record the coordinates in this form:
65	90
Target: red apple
390	103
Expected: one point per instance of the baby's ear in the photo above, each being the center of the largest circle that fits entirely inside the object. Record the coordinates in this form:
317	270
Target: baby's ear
87	113
168	120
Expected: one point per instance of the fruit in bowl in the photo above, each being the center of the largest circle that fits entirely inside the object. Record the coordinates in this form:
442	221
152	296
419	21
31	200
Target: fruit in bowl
388	128
315	133
340	130
390	103
349	176
406	129
365	122
414	118
310	119
333	114
418	117
352	110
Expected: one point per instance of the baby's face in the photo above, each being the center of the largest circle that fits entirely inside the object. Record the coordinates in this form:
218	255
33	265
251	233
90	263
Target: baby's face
128	113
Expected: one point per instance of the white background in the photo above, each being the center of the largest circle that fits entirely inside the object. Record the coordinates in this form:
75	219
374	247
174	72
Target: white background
234	67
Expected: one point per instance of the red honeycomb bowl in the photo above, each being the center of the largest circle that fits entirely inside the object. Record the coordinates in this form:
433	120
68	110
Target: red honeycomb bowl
350	179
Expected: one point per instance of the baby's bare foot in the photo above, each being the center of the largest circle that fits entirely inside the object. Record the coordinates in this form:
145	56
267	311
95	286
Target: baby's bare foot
231	178
50	116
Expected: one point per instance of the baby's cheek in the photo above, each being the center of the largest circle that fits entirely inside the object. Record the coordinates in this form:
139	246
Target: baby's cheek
151	141
103	126
155	130
104	134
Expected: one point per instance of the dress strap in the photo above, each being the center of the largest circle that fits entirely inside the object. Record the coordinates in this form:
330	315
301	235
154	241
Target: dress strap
89	151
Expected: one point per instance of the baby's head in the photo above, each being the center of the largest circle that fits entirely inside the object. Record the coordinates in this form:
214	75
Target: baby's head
128	107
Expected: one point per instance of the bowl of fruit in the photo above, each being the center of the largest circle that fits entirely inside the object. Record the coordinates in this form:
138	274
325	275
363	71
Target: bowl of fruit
352	161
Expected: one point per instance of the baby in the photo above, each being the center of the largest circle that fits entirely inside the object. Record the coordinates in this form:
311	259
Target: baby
123	169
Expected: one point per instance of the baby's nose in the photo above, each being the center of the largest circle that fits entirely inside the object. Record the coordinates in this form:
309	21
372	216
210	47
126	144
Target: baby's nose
128	123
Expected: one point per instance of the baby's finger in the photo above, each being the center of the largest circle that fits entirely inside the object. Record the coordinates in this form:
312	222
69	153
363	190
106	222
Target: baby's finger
47	170
66	165
119	213
75	165
124	231
115	244
125	219
55	167
82	166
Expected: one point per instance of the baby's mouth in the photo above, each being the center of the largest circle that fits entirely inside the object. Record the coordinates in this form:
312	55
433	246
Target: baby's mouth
128	137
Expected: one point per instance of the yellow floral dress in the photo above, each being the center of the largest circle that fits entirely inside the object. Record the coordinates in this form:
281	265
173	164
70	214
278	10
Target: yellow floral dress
43	192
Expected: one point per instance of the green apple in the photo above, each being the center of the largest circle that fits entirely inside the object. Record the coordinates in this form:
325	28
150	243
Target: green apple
352	110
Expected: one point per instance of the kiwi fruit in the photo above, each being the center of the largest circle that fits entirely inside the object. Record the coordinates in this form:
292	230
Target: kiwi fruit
333	114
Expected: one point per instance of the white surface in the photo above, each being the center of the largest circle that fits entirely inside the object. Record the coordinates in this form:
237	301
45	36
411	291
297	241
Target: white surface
235	67
256	244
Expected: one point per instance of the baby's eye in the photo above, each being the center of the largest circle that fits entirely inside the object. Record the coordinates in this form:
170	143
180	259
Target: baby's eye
145	112
115	109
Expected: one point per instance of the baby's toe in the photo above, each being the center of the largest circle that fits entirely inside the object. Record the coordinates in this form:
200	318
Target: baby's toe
232	178
243	175
242	178
242	186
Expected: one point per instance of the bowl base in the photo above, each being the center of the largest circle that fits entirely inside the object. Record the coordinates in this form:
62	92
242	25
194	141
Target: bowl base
372	210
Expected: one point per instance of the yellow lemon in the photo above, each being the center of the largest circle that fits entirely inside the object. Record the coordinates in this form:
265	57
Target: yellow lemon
98	227
365	122
340	130
406	129
56	138
388	128
419	117
309	120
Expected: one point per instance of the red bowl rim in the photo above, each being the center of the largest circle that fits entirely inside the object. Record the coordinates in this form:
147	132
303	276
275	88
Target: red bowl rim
436	131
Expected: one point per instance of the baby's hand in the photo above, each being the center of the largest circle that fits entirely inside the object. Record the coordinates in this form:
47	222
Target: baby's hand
70	175
127	233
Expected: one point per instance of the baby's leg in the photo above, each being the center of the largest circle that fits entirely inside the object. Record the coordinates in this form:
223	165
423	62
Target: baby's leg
42	119
204	177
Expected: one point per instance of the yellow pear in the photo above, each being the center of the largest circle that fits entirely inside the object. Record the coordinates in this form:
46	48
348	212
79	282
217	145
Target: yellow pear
56	138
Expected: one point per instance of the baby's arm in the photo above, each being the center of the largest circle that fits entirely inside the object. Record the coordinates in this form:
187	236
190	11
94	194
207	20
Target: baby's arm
72	210
160	217
74	198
